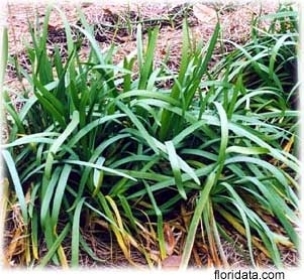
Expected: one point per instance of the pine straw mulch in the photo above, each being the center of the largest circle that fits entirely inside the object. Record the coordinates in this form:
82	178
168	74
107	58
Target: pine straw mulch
106	252
235	20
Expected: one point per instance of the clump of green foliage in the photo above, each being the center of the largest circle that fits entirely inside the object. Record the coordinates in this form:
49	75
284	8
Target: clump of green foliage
98	138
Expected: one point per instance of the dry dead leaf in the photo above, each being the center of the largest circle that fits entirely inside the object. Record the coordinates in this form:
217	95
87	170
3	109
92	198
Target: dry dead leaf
16	246
169	239
204	13
283	240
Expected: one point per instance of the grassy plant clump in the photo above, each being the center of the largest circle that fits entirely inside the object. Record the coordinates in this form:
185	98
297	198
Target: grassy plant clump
95	140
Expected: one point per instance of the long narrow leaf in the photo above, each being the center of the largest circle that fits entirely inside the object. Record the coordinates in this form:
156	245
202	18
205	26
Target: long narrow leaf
17	184
203	199
76	233
175	168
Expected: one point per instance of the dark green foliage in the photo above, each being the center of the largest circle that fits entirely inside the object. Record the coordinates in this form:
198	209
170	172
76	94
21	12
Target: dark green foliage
95	137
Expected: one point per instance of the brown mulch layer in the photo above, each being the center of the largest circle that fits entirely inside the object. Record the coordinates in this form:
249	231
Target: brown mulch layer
235	20
106	253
